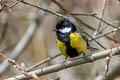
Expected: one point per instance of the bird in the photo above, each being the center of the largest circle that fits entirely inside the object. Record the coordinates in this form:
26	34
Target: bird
70	42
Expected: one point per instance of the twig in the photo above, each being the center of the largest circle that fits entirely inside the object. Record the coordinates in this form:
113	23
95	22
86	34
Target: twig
46	10
9	6
105	21
42	62
108	58
14	4
78	14
13	62
21	69
93	15
103	34
102	15
58	67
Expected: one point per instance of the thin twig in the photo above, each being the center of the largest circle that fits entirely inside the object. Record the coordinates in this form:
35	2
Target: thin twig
108	58
13	62
78	14
103	34
42	62
46	10
101	17
21	69
10	6
58	67
105	21
14	4
93	15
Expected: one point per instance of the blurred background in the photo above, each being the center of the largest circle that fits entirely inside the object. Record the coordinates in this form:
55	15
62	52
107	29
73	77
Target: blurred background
15	22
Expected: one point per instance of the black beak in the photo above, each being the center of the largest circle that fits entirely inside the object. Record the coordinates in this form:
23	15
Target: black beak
55	30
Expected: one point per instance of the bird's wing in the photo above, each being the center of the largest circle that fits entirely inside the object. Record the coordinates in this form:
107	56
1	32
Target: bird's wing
88	46
78	42
84	37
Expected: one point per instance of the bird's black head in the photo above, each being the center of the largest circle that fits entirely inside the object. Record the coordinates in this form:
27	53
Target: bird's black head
64	26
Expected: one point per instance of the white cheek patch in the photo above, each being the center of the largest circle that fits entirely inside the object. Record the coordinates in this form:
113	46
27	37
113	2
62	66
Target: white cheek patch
65	30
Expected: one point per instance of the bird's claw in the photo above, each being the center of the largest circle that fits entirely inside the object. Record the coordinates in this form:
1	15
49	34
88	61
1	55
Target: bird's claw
64	62
86	57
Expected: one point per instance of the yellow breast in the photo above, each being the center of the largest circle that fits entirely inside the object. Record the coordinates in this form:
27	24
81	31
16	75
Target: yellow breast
77	41
62	47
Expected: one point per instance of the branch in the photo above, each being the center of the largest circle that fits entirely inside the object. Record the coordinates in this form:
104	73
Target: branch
58	67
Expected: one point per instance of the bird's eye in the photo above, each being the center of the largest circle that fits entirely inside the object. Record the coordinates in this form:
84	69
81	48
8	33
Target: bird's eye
65	24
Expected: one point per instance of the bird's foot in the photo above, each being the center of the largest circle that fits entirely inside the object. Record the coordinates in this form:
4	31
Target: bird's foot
86	57
63	62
